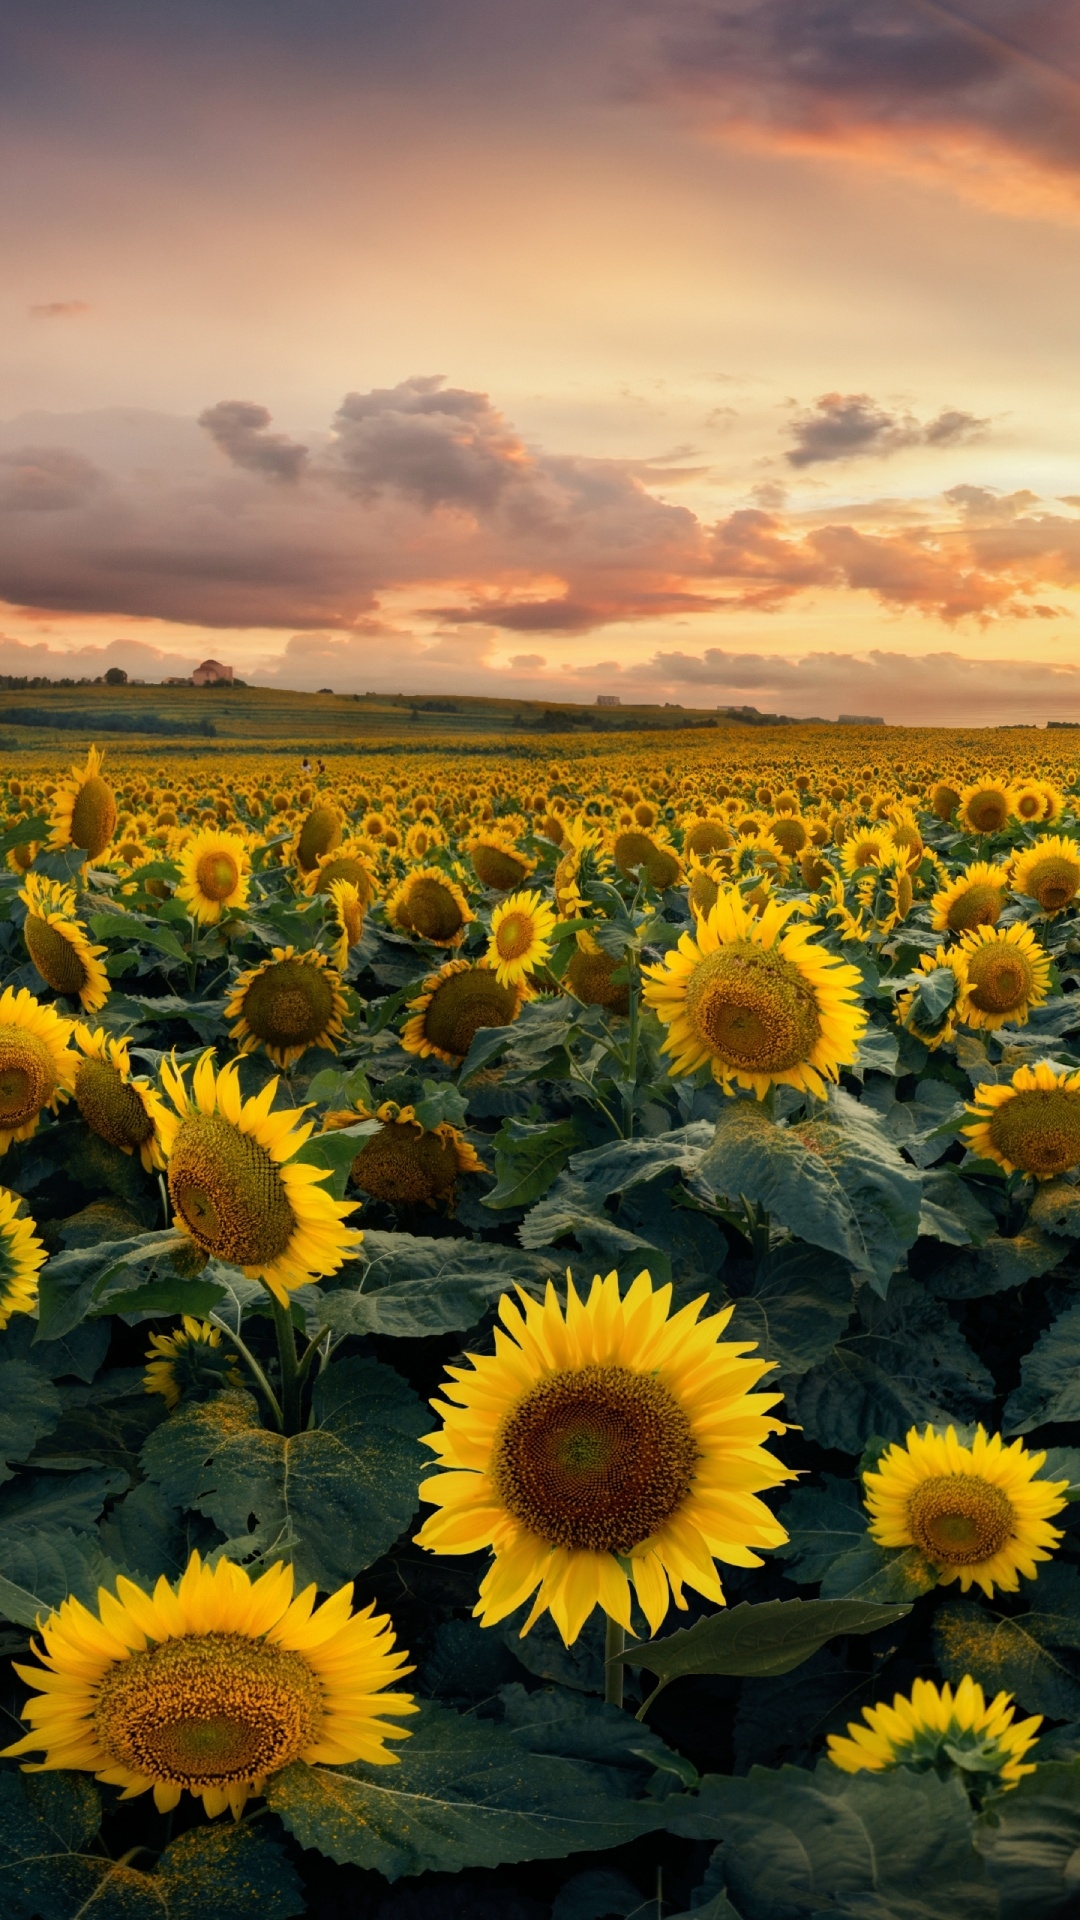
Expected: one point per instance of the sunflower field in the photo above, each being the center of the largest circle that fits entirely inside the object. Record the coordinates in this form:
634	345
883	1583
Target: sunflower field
540	1331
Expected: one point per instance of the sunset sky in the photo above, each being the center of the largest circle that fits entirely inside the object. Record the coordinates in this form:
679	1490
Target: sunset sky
691	350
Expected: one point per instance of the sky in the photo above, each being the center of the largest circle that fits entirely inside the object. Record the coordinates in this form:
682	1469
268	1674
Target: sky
701	351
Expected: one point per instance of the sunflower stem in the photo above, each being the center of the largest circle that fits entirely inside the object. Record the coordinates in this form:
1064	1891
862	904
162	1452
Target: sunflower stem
631	1055
252	1364
614	1672
308	1355
290	1377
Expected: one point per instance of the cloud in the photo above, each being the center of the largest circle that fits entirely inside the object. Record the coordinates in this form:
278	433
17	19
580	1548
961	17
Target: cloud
985	108
59	309
239	428
841	425
525	662
439	446
46	480
139	661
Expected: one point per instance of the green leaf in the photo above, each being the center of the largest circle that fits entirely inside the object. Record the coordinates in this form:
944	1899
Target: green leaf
1030	1841
73	1282
30	1407
797	1308
838	1182
164	1297
23	831
413	1287
565	1210
332	1088
228	1872
800	1846
441	1105
39	1569
1056	1209
132	928
1027	1654
905	1363
528	1159
340	1493
1000	1263
336	1151
466	1794
951	1211
761	1641
45	1819
1049	1377
623	1164
822	1524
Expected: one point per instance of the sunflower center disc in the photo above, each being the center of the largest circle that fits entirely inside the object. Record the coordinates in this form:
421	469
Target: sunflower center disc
977	906
515	936
93	816
27	1076
753	1009
988	811
1053	882
110	1106
462	1004
208	1710
217	875
1001	979
55	958
432	911
319	834
595	1459
291	1002
229	1192
496	868
959	1520
1039	1131
344	867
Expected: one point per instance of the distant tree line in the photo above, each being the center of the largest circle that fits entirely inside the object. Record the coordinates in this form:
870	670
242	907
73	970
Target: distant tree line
75	722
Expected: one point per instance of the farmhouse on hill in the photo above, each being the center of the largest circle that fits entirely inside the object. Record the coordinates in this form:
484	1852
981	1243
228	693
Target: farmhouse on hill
210	674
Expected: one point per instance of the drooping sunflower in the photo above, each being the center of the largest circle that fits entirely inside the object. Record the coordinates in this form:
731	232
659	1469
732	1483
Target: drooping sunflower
944	800
37	1065
215	869
237	1187
986	806
651	853
521	926
930	1009
287	1004
590	975
189	1360
1006	974
120	1107
978	1514
612	1443
211	1685
1031	1124
705	837
21	1258
1048	872
21	858
348	916
407	1163
353	861
498	863
83	809
318	835
756	1000
454	1004
578	839
57	943
973	899
935	1727
431	905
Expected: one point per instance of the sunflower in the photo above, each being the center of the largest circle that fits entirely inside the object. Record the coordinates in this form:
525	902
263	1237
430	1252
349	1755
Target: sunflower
705	837
1031	1124
590	976
521	928
790	835
936	1727
973	899
610	1444
1006	975
1048	872
407	1163
84	809
57	944
287	1004
978	1514
497	863
214	874
124	1110
212	1684
20	859
452	1007
353	862
422	839
348	916
1029	801
318	835
944	800
191	1359
929	1009
21	1258
759	1003
865	847
986	807
634	850
37	1065
430	904
703	885
237	1186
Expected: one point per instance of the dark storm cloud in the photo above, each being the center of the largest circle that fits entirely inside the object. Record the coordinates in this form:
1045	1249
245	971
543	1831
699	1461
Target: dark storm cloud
240	429
841	426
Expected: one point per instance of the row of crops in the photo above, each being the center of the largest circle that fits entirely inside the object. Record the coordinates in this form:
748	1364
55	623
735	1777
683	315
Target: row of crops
539	1369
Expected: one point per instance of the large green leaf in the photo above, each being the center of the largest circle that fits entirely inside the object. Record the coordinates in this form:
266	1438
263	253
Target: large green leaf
1000	1263
623	1164
137	931
30	1407
40	1567
838	1182
228	1872
829	1545
1032	1655
1049	1377
412	1287
528	1158
798	1306
1031	1843
603	1243
466	1794
799	1846
337	1495
79	1282
774	1637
